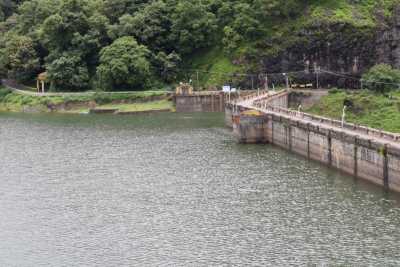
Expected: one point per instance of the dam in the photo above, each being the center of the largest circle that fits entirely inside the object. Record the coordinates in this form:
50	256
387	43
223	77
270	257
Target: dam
363	152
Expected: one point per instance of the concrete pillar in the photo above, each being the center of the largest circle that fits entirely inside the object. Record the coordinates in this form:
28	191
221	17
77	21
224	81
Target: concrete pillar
221	101
330	148
212	103
308	141
272	130
356	157
385	168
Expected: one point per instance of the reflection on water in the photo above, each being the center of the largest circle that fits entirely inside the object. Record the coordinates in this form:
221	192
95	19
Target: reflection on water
175	189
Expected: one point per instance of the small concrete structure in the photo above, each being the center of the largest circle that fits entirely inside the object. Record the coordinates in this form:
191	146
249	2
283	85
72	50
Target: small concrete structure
184	89
200	102
40	82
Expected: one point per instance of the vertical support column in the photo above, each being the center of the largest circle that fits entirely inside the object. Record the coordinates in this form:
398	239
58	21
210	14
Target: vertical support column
330	148
308	141
272	130
356	157
212	103
290	137
385	168
221	100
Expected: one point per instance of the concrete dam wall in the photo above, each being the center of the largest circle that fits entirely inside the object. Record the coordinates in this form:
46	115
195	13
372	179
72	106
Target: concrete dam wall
201	102
359	151
207	101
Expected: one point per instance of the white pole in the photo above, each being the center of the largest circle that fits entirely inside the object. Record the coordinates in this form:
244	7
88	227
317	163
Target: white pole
344	116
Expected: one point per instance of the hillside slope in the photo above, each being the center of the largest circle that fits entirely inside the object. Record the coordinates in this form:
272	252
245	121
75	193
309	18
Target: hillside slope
139	44
364	108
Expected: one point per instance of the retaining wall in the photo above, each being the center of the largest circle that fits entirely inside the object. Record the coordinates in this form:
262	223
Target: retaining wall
207	101
211	102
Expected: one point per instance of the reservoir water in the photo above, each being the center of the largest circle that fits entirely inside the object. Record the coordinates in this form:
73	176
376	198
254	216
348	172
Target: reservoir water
177	190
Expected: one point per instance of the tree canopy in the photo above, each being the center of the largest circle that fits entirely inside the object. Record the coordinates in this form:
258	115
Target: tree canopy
123	64
82	43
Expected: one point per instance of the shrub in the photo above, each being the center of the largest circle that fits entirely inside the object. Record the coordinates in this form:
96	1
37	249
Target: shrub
3	93
382	78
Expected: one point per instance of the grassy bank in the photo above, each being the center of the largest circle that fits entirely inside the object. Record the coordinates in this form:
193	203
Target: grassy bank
364	108
132	101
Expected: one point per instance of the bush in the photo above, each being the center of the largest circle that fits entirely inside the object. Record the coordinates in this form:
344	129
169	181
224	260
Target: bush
3	93
335	91
382	78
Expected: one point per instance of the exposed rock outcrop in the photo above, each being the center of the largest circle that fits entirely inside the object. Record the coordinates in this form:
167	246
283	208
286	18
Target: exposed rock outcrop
388	40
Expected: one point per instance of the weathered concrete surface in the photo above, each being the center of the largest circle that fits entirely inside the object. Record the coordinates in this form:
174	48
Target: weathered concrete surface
363	152
201	102
250	129
207	101
228	116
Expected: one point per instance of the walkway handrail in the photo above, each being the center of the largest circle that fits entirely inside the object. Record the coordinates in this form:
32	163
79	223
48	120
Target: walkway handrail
332	122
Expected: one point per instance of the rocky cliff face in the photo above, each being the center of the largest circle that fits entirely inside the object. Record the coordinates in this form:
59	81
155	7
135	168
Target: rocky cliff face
339	47
388	40
336	47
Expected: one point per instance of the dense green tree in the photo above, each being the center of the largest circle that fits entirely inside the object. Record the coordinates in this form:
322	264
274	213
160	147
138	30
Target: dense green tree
166	66
382	78
114	9
77	30
19	58
231	40
31	15
7	8
68	72
124	65
193	27
150	26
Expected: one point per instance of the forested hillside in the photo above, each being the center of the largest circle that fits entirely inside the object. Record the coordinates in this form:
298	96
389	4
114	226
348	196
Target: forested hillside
139	44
